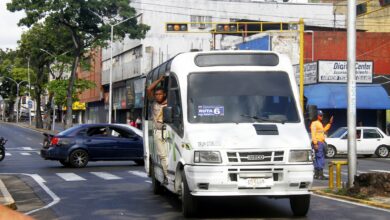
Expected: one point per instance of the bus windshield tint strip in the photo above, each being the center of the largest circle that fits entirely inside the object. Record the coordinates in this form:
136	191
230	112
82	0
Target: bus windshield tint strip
245	59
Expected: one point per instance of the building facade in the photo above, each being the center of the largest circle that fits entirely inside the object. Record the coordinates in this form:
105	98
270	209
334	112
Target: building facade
132	59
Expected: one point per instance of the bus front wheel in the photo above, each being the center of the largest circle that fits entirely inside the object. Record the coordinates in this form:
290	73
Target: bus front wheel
156	185
300	204
188	201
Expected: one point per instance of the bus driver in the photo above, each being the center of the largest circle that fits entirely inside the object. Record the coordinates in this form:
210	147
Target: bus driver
160	101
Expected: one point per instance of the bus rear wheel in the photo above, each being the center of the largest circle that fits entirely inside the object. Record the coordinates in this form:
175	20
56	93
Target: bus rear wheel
300	204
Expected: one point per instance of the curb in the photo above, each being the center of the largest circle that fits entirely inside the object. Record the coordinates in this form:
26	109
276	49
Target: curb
361	201
6	198
31	128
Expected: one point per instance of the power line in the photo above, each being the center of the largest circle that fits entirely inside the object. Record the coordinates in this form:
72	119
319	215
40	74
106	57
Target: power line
211	10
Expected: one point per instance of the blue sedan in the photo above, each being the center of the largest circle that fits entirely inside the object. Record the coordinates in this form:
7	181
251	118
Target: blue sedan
78	145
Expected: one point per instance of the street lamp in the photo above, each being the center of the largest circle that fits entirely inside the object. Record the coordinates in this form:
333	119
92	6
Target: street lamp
17	95
111	42
53	105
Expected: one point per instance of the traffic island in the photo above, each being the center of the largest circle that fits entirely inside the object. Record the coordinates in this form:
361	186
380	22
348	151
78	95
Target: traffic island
371	189
5	197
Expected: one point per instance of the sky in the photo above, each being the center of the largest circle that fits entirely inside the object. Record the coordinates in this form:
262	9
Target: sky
9	30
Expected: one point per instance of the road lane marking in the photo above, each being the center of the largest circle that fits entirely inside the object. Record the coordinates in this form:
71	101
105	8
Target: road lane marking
70	177
25	154
106	176
139	173
27	148
8	154
148	181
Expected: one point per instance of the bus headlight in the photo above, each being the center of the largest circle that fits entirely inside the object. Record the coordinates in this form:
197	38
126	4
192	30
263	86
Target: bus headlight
207	157
300	156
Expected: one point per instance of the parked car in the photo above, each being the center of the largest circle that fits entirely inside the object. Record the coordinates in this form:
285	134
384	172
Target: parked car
78	145
373	141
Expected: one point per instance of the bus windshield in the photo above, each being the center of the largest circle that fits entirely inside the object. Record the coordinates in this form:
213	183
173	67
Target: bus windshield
241	97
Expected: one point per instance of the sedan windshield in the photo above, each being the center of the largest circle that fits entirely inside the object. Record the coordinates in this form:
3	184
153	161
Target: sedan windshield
338	133
241	97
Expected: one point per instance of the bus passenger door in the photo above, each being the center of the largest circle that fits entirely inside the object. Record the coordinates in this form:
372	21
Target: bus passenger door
175	130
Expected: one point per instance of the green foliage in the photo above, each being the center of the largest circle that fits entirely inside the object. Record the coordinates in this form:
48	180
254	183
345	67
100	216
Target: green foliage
14	67
86	28
59	89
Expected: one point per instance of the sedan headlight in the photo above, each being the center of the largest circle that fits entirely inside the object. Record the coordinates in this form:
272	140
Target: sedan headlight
207	157
300	156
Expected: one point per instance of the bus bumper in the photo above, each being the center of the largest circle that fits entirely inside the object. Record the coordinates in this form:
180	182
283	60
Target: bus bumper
283	180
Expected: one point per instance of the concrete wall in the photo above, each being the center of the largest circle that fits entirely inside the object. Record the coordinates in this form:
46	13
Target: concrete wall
377	21
333	46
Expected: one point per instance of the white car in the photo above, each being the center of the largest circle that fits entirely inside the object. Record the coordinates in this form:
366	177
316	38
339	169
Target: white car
373	141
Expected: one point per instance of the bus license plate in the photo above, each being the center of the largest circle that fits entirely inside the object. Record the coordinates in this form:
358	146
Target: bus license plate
256	182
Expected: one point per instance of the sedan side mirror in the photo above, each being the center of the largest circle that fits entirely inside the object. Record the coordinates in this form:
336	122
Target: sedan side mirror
167	115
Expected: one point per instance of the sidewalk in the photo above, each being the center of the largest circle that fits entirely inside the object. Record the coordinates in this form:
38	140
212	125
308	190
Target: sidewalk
321	188
58	127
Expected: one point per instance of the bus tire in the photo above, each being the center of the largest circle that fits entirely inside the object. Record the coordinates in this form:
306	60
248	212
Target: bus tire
300	205
188	202
156	185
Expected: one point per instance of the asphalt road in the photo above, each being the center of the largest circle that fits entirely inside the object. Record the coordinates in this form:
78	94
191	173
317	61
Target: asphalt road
120	190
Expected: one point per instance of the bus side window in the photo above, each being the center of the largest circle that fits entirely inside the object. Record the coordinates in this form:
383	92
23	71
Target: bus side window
174	101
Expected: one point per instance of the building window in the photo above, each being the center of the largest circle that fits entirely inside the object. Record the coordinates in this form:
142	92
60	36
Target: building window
197	21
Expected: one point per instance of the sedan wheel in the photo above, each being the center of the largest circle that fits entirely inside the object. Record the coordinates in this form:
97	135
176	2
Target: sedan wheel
2	153
330	152
382	151
78	158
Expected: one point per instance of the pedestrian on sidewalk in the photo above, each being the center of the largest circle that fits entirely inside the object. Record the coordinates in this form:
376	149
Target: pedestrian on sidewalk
138	122
319	145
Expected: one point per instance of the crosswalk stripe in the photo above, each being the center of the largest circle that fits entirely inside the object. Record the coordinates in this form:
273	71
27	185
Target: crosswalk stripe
106	176
139	173
8	154
25	154
70	177
27	148
381	171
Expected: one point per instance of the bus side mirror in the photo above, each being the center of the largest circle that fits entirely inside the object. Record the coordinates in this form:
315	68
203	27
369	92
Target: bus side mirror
312	109
167	115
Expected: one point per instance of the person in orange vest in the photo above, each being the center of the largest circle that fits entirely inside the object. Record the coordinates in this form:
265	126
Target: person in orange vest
318	143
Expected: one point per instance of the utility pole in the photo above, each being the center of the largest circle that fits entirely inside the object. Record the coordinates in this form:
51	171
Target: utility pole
29	91
351	117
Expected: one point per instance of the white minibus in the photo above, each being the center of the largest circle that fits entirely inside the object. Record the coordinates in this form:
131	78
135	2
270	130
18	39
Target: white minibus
233	126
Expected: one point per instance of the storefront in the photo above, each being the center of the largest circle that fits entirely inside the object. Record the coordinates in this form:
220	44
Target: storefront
127	100
326	87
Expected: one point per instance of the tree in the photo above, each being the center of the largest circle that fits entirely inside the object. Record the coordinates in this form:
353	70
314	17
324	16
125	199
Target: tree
39	38
59	89
87	29
15	67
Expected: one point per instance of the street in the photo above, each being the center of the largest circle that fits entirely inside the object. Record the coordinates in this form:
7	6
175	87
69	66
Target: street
121	190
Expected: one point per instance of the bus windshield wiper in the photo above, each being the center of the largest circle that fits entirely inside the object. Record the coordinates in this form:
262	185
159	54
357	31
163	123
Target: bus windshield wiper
263	119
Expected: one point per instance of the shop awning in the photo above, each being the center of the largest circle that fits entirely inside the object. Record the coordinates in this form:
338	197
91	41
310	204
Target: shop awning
334	96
